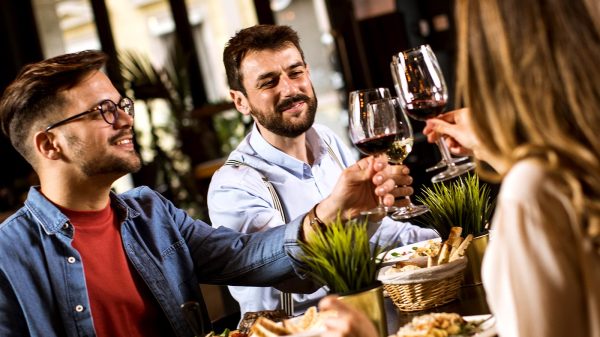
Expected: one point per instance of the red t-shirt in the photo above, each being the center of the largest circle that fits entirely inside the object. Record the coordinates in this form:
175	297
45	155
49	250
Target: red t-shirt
121	303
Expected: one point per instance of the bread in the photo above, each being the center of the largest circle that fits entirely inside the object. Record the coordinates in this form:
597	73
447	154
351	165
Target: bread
310	320
251	317
460	250
264	327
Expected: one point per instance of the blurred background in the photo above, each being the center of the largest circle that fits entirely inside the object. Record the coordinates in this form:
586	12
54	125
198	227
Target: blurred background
166	54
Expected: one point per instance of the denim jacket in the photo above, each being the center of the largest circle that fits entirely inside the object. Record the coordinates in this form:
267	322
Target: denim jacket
42	283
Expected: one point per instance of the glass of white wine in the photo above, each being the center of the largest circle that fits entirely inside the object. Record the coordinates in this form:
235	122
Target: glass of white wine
399	148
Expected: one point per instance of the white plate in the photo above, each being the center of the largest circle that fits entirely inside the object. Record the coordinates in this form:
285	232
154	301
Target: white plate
489	326
402	253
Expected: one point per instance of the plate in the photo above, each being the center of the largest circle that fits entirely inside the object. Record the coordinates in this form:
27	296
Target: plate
402	253
488	326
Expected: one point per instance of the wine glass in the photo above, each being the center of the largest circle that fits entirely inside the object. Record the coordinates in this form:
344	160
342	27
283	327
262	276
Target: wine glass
420	84
371	134
400	148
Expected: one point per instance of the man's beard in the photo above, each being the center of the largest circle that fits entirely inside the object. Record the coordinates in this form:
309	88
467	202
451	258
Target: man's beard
104	164
275	123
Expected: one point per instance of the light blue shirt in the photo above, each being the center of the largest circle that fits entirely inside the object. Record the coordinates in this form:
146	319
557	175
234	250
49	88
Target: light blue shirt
239	199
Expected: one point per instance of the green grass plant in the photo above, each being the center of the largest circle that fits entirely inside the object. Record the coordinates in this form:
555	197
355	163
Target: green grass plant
464	202
341	256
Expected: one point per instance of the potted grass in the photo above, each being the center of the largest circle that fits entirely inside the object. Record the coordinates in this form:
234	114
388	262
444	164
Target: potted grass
466	203
342	258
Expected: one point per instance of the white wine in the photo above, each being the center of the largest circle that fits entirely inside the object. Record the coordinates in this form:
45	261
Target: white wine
399	150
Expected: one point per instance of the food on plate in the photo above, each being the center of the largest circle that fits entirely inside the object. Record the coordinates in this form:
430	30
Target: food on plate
432	248
310	320
438	325
437	253
264	327
400	267
251	316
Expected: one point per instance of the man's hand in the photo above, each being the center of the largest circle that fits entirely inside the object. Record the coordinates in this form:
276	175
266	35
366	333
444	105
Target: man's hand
403	180
358	189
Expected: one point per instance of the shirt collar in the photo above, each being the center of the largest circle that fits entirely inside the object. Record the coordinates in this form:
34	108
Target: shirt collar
277	157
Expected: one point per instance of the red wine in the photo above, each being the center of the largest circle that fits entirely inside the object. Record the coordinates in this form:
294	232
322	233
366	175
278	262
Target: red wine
423	110
376	145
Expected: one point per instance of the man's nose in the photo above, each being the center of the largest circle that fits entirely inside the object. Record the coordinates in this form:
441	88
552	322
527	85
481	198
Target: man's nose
124	120
287	86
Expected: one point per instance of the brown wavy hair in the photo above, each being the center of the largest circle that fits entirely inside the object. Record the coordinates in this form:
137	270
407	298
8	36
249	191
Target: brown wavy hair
530	72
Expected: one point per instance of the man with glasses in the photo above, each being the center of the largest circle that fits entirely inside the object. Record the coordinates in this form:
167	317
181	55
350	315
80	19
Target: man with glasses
79	260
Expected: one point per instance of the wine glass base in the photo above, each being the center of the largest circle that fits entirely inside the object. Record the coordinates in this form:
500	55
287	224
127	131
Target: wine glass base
453	171
380	210
443	163
409	211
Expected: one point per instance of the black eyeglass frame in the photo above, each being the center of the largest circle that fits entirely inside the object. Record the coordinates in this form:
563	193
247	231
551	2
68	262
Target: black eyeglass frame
125	104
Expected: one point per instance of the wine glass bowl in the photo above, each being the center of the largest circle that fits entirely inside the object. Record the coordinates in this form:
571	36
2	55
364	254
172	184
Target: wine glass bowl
419	82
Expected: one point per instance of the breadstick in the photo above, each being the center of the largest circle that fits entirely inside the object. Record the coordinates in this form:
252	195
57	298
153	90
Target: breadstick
460	251
444	253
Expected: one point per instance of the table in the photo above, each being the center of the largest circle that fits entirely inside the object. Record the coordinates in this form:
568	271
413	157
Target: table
471	301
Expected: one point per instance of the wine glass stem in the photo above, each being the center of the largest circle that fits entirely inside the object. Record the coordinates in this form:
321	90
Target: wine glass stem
445	152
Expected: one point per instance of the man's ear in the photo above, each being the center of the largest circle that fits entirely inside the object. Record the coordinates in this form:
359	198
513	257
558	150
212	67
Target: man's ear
240	101
47	145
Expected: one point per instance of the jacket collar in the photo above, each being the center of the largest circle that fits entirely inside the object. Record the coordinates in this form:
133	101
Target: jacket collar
53	220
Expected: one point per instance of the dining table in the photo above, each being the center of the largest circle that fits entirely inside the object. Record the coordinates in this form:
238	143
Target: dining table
471	301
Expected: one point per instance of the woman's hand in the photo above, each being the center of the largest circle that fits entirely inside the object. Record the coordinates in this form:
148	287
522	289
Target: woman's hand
455	129
349	322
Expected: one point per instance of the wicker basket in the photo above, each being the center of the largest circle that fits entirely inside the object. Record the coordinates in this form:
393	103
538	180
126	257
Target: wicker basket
424	288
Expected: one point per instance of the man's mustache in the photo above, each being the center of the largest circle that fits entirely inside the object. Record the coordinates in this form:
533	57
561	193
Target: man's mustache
289	102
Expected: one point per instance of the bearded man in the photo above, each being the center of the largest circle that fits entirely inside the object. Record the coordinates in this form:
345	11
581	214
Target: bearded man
286	165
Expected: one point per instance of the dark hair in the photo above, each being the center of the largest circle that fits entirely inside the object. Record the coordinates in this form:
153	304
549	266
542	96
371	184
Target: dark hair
255	38
35	94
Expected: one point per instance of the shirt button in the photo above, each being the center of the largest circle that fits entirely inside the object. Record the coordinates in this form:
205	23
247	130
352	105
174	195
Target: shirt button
79	308
71	259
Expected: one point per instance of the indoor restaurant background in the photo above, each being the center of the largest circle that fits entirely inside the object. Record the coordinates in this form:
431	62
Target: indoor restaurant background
167	55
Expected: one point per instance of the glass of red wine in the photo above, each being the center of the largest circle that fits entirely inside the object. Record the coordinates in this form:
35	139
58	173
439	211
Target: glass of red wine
420	84
400	148
372	134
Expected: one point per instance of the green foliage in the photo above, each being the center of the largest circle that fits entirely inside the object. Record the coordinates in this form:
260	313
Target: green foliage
463	203
167	168
341	256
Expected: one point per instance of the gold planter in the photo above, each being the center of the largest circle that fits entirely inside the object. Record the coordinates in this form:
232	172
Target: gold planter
474	255
370	301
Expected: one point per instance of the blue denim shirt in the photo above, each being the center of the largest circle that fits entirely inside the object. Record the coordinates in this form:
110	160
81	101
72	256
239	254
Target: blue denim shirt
43	290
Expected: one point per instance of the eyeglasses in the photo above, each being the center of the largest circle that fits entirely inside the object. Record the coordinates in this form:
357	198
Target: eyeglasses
108	110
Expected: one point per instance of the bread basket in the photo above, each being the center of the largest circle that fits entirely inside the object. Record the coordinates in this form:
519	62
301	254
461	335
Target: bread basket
424	288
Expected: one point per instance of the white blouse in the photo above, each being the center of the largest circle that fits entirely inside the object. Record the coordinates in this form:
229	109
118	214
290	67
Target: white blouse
540	273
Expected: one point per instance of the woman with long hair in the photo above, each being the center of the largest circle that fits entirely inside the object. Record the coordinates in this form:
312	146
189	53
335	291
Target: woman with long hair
529	73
